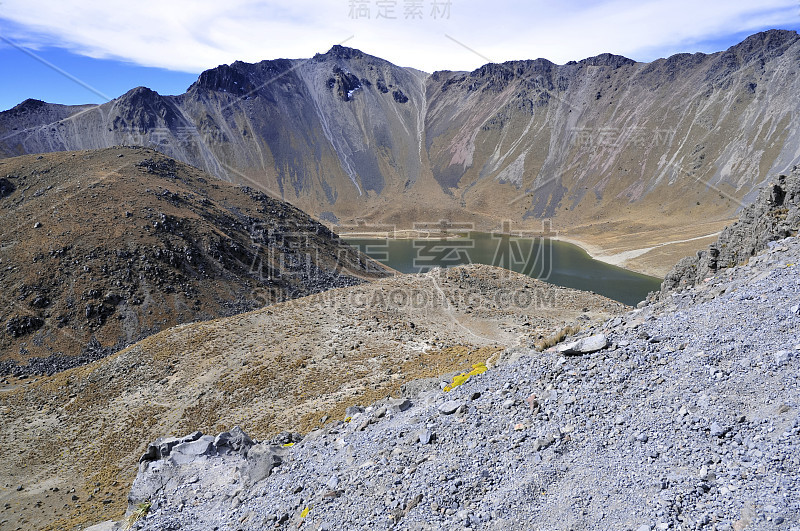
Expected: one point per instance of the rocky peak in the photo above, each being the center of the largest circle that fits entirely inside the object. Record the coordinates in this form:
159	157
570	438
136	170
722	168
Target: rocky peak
342	52
607	59
141	109
29	105
766	43
231	78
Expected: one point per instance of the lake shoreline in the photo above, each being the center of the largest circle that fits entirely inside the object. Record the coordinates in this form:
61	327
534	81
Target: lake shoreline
553	260
594	251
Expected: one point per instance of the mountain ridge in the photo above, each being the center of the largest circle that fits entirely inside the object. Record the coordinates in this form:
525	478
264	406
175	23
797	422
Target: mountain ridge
598	146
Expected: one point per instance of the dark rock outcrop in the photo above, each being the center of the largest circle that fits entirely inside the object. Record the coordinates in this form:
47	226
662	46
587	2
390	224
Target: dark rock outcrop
6	188
775	215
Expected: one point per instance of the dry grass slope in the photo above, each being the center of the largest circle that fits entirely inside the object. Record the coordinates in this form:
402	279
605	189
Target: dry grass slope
283	367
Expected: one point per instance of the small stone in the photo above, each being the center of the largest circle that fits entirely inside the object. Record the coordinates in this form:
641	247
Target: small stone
586	345
425	436
449	407
333	483
782	357
544	442
643	527
716	430
399	404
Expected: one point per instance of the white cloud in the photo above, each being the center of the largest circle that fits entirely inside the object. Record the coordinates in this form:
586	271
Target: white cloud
195	35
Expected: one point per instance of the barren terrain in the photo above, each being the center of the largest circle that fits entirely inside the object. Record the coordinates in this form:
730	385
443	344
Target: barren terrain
285	367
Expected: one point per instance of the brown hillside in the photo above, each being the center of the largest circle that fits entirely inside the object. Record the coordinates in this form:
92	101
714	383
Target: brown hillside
103	248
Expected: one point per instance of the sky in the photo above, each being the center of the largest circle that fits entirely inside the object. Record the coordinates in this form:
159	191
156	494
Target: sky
90	51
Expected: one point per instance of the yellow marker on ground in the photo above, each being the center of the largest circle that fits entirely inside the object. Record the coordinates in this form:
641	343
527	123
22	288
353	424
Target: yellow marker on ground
478	368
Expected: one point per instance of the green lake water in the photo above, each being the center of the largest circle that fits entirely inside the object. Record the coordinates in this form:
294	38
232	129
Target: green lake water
553	261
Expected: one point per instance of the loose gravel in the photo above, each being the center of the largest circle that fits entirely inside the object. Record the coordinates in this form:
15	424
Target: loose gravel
687	419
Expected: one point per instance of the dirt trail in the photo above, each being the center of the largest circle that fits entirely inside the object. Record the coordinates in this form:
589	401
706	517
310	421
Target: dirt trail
284	367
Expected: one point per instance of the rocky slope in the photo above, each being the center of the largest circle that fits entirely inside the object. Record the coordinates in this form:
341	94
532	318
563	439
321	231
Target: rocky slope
774	216
675	419
103	248
658	152
77	436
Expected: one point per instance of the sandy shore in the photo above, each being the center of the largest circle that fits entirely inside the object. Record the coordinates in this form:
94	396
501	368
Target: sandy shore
626	259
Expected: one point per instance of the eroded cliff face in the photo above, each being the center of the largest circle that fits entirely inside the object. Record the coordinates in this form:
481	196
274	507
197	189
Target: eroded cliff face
603	144
775	215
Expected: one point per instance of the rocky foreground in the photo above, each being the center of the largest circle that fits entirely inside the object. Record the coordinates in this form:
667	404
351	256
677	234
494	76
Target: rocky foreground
76	437
687	418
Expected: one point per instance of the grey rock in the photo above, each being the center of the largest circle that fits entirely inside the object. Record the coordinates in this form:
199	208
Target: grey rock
261	460
109	525
234	440
352	411
162	447
449	407
715	430
187	452
585	345
782	357
425	436
544	442
399	404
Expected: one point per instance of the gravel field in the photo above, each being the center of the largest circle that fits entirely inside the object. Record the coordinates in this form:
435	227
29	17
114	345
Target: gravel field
686	419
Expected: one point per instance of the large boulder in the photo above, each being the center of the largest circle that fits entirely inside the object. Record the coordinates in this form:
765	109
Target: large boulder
584	345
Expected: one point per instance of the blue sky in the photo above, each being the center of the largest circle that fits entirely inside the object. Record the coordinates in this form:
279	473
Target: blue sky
87	51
